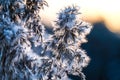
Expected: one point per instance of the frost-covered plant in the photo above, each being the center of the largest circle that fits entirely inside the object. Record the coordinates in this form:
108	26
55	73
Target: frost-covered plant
70	33
25	52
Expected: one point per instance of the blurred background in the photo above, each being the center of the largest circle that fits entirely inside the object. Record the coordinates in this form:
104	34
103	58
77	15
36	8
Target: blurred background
103	47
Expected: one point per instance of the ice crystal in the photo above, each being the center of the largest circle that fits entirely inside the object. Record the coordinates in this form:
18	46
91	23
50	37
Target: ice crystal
26	54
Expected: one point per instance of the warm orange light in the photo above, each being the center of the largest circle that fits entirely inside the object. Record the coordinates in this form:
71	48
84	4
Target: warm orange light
93	11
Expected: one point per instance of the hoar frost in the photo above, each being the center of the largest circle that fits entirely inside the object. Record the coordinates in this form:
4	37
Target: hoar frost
26	54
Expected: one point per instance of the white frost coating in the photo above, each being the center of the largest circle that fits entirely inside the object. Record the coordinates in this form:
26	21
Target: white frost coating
26	51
